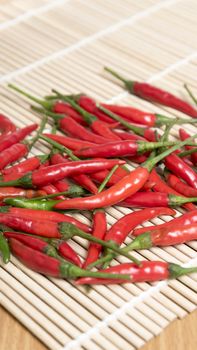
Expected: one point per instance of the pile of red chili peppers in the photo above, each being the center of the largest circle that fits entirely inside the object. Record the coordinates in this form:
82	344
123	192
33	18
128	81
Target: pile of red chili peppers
86	169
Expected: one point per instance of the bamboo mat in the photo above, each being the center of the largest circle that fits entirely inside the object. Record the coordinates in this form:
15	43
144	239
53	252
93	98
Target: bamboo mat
64	45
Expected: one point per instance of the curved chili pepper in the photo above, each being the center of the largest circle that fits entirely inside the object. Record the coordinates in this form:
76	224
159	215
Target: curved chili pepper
155	199
4	249
51	189
66	251
42	215
148	271
184	220
180	186
69	142
165	236
63	230
83	179
51	266
99	231
121	148
183	136
154	94
181	169
53	173
6	126
127	186
120	230
17	136
148	133
157	184
98	126
11	154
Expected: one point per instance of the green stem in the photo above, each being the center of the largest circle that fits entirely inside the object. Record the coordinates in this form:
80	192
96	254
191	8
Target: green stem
39	132
55	116
73	191
176	271
115	74
190	93
45	104
161	120
150	163
61	148
101	261
187	153
88	117
108	177
68	231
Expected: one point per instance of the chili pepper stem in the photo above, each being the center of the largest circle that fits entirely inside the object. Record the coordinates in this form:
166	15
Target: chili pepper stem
190	93
150	163
87	273
108	177
141	242
101	261
68	231
39	132
74	191
59	147
187	153
45	104
116	75
176	271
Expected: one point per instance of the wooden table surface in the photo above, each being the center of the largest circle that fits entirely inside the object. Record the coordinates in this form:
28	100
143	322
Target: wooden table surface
181	333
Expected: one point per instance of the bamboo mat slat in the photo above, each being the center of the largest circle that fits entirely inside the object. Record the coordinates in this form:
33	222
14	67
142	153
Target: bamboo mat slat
64	45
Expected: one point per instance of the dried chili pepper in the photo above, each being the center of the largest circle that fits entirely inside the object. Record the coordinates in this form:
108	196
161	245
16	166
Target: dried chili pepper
42	215
6	126
148	271
154	94
180	186
184	220
183	136
4	249
51	266
163	236
98	126
53	173
155	199
121	148
11	154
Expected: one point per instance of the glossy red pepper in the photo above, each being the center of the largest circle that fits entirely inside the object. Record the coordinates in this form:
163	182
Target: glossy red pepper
121	148
69	142
11	154
180	186
50	266
54	173
67	252
17	136
163	236
99	231
19	192
183	136
154	94
44	215
51	189
157	184
82	179
126	187
148	271
184	220
6	126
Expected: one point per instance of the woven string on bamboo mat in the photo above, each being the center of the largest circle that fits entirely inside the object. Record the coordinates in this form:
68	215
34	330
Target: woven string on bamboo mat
64	45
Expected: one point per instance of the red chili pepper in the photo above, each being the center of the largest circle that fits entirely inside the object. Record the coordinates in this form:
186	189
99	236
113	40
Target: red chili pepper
61	107
154	94
17	136
101	175
163	236
157	184
30	241
19	192
82	179
183	136
51	266
99	230
126	187
51	189
6	126
12	154
129	136
54	173
67	252
184	220
121	148
98	126
44	215
180	186
148	271
181	169
155	199
137	116
69	142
